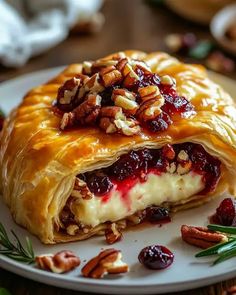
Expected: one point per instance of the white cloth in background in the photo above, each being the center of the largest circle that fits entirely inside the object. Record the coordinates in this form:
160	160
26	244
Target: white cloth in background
30	27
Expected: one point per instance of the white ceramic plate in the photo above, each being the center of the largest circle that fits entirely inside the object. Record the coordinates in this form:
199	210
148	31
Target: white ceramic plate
186	272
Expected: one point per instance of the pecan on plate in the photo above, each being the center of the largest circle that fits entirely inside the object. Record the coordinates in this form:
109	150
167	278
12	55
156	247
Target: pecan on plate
201	236
107	262
113	234
112	119
61	262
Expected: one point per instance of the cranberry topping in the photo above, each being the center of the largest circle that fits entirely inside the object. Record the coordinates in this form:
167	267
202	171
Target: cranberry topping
226	213
99	184
70	95
137	164
156	257
155	214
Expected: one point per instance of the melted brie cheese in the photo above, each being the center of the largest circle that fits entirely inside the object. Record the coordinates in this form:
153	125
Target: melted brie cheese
156	190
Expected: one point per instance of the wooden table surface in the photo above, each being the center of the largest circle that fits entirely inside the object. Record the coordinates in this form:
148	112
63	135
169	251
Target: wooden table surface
129	25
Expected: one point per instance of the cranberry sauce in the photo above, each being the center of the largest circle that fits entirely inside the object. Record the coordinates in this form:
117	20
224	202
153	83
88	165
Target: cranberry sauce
226	213
134	167
156	257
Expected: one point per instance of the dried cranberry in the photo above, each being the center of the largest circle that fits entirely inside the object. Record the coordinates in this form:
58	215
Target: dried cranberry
156	257
125	166
99	184
160	123
226	212
156	214
106	96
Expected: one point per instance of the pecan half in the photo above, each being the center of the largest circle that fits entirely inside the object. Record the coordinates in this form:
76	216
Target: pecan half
61	262
113	234
201	236
107	262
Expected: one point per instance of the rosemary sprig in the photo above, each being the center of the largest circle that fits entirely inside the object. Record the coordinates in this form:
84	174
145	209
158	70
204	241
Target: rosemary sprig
16	250
225	250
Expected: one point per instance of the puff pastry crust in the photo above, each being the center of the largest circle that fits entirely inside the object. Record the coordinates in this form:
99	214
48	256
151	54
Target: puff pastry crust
39	162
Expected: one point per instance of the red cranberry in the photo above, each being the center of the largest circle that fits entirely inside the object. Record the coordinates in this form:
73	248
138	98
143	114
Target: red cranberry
156	214
160	123
99	184
226	212
125	166
156	257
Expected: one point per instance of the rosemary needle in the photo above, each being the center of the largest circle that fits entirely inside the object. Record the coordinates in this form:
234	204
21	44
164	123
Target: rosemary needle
225	250
16	250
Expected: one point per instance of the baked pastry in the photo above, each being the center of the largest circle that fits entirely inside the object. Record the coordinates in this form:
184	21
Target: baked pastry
104	143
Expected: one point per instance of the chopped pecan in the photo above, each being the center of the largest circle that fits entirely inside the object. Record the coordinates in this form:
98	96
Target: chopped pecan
167	80
182	156
107	262
113	234
142	66
149	92
110	76
130	76
68	120
91	85
184	167
61	262
126	100
101	63
81	190
88	111
113	120
72	229
201	236
171	168
150	109
121	64
87	67
67	93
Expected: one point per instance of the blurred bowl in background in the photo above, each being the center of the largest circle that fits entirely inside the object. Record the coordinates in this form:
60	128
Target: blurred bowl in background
200	11
220	25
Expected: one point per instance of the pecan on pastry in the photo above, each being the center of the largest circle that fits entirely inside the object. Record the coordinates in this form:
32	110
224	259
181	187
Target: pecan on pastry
127	135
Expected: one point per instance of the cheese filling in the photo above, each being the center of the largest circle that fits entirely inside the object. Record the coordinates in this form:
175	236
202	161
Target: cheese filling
138	180
156	190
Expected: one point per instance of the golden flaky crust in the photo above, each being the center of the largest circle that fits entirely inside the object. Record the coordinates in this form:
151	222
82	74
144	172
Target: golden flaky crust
39	162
